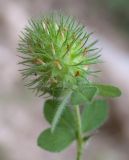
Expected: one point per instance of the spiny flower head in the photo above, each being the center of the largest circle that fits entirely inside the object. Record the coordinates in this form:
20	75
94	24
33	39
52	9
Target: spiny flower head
56	52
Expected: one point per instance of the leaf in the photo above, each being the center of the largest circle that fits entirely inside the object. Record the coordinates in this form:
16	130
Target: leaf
89	92
94	115
59	111
50	108
85	93
77	97
66	120
108	90
56	92
55	141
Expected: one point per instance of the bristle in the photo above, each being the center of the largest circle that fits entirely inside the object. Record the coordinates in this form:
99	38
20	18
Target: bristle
55	52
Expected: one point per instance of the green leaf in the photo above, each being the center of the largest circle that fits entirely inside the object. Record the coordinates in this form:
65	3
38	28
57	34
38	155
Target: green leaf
56	92
59	111
85	93
77	98
89	92
94	115
56	141
108	90
50	108
66	120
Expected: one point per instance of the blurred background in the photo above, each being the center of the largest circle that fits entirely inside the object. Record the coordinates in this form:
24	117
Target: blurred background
20	111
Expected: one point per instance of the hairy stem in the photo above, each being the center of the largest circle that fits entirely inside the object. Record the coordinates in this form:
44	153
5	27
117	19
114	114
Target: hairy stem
79	133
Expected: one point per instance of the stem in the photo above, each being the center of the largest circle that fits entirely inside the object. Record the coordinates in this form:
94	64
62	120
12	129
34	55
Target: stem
79	133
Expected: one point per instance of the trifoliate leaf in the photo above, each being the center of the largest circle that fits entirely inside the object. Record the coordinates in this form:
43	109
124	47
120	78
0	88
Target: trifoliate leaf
108	90
85	93
94	115
60	110
50	107
55	141
77	98
66	120
88	91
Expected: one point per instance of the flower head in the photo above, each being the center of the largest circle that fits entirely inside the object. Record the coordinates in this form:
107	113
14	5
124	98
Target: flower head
56	52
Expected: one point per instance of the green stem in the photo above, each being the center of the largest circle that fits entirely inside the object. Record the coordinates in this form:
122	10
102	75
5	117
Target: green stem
79	133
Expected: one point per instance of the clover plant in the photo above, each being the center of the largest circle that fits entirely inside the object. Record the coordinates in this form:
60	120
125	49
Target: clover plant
57	54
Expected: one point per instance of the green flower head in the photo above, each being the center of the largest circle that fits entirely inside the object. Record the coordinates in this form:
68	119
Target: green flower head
56	52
